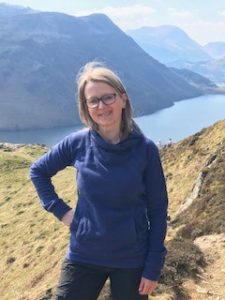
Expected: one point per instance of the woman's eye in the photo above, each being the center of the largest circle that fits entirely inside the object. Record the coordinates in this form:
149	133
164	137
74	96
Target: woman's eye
107	97
93	101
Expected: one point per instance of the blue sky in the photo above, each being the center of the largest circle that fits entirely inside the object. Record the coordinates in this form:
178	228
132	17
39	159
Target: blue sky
203	20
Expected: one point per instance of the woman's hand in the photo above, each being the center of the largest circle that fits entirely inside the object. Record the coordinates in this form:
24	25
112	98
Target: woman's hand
68	217
147	286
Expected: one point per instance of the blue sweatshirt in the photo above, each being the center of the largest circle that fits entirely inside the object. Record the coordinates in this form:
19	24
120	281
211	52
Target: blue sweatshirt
121	211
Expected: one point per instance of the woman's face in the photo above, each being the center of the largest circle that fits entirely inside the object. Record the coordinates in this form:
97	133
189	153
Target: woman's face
106	116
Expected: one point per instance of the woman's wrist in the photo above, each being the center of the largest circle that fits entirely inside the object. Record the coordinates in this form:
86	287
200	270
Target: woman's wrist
68	217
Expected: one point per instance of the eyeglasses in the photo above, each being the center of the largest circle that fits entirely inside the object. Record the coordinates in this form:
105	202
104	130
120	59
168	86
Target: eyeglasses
106	99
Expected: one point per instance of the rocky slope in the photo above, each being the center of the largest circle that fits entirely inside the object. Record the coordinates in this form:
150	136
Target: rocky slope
195	171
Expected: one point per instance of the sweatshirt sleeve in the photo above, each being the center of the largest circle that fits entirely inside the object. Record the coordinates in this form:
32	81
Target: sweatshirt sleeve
157	203
57	158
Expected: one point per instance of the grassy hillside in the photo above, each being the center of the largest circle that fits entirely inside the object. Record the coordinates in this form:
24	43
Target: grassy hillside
184	161
33	242
195	170
200	165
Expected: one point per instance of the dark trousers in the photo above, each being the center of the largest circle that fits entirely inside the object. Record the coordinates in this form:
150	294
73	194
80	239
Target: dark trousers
85	282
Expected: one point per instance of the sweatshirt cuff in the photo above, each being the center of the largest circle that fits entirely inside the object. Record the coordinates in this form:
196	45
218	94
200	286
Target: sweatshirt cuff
154	264
60	209
151	274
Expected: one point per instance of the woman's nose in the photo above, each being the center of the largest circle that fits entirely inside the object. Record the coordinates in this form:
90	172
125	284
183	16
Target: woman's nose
101	104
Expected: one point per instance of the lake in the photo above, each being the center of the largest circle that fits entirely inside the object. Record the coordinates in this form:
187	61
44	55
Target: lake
182	119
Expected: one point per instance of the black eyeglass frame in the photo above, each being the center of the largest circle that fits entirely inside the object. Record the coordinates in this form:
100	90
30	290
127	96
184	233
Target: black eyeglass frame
102	99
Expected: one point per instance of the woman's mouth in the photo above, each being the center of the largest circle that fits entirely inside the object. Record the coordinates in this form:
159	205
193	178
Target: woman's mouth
104	114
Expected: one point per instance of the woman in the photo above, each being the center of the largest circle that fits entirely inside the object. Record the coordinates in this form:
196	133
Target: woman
119	224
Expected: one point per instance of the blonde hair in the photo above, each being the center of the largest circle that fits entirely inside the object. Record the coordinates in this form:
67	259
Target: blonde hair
97	72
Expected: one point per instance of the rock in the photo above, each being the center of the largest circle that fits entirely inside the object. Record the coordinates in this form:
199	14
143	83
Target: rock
202	290
209	293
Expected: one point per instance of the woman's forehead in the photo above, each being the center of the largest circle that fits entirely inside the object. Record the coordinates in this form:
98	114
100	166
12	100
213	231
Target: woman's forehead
93	87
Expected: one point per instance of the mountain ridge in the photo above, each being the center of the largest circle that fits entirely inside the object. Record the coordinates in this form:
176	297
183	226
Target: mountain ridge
215	49
212	69
10	10
41	53
168	43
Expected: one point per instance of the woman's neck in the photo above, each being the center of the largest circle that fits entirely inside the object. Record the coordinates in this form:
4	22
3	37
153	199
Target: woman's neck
111	136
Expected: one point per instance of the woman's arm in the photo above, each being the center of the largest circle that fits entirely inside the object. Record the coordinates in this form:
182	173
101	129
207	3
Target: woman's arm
41	171
157	203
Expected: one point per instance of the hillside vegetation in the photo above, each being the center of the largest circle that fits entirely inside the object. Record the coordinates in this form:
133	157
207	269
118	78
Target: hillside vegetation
195	172
33	242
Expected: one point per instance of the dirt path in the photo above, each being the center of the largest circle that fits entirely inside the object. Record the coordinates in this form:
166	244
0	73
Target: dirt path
212	280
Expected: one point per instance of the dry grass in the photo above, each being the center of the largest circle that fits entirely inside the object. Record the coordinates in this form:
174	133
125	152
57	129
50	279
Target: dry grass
208	210
183	162
32	242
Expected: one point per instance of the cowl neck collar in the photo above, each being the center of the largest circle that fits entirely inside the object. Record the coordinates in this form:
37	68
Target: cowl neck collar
131	140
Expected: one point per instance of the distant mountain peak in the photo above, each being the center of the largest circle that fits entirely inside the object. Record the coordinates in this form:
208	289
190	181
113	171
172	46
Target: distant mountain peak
215	49
9	10
168	43
99	16
100	20
161	28
4	4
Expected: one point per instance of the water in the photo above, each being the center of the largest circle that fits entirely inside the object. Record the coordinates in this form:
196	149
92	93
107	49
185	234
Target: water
184	118
177	122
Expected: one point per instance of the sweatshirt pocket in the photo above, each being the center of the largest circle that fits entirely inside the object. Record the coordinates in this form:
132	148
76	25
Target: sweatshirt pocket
105	234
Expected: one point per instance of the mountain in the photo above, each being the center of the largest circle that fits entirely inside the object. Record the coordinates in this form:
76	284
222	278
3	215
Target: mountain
41	53
197	80
213	69
216	49
33	242
168	43
7	10
172	46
